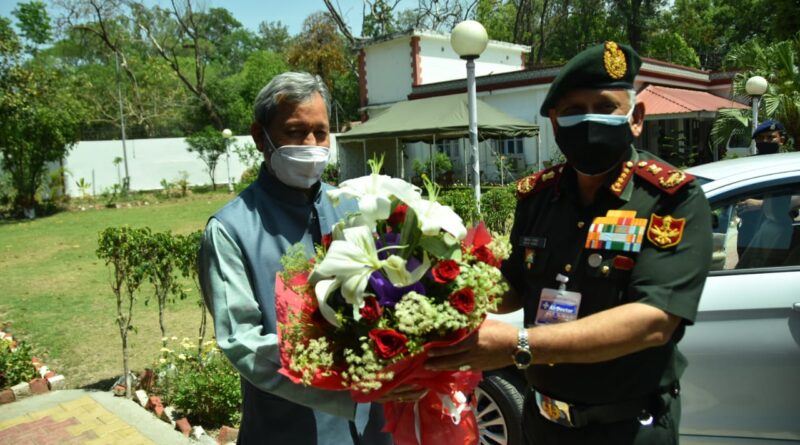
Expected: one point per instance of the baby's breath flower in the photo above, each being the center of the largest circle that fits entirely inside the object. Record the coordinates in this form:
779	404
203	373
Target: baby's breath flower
500	246
415	314
162	360
182	356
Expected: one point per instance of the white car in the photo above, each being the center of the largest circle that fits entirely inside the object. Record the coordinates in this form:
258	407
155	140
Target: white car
743	380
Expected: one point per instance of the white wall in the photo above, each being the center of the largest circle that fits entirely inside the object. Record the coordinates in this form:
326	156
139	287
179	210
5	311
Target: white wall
389	72
440	63
388	66
149	161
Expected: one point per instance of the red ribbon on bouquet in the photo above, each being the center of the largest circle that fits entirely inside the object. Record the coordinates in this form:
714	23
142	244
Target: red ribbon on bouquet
443	416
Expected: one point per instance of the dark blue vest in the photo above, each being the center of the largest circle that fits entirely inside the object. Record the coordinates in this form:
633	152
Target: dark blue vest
265	220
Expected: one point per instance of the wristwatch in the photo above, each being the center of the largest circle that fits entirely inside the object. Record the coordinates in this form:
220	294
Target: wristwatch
522	355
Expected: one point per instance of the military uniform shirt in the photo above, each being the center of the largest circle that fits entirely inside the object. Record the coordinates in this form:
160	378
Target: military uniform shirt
548	238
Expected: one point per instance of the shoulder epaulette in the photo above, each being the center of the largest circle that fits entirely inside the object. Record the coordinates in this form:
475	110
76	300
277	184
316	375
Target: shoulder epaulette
538	181
665	177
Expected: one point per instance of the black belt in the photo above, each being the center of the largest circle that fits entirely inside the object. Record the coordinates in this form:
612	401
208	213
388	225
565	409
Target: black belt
574	415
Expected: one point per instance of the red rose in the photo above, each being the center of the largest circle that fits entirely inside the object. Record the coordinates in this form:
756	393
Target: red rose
372	310
388	342
327	239
463	300
484	255
445	271
398	215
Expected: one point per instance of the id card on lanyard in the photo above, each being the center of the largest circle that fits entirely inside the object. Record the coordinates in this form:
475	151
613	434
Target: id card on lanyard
558	305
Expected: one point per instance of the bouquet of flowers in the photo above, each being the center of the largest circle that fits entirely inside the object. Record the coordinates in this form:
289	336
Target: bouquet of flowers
401	276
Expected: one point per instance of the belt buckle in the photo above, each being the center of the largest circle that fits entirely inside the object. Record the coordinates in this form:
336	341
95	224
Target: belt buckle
554	410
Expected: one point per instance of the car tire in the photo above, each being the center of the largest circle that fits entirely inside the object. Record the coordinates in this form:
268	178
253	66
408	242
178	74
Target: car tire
499	409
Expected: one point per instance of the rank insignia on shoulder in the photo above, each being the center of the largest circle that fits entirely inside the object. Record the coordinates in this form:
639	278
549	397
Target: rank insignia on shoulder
665	231
537	181
668	179
618	230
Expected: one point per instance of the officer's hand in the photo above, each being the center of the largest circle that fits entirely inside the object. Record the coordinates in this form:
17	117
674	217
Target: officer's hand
489	347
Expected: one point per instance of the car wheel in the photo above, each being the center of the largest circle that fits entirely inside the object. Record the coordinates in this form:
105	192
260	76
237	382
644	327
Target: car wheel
499	411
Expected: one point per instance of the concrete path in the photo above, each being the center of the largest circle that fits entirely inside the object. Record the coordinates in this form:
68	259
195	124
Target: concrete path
76	416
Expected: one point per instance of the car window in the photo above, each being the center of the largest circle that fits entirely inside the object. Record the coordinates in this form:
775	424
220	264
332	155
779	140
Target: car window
757	230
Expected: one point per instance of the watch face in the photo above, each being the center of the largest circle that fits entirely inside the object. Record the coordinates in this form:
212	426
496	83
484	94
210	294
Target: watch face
522	357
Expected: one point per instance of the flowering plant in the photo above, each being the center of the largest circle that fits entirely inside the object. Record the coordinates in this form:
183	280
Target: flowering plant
390	282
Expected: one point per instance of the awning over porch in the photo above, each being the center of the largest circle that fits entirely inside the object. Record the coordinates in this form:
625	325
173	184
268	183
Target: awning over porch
669	103
442	117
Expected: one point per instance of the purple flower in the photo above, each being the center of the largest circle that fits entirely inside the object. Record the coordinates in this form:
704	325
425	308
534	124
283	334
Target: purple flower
388	294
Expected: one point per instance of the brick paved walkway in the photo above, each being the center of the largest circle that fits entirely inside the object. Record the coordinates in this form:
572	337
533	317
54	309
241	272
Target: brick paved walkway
79	417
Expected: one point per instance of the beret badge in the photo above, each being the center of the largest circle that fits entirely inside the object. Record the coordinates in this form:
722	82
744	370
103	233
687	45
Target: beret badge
614	61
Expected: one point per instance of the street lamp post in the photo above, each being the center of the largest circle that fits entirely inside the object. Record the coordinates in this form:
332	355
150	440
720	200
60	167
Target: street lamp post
469	40
756	86
227	133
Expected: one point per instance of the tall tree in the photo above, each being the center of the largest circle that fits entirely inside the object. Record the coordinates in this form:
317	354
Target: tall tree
274	36
497	16
319	49
636	15
180	36
378	18
41	120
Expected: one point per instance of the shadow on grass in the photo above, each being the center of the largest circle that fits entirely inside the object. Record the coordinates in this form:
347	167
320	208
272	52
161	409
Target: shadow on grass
100	385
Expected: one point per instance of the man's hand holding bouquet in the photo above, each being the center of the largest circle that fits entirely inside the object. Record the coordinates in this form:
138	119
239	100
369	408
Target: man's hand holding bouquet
390	282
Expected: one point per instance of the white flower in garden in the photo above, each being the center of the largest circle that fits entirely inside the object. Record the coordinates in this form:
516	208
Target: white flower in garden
374	193
433	217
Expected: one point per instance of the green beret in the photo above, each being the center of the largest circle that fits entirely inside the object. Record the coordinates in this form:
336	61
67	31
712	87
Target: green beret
608	65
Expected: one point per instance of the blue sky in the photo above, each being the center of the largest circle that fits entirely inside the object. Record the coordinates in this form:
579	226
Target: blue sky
252	12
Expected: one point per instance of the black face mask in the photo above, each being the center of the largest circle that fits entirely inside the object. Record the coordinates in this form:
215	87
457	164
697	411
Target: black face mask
593	148
767	148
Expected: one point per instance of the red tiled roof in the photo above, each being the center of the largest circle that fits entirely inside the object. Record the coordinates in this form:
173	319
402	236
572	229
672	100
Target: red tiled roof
665	100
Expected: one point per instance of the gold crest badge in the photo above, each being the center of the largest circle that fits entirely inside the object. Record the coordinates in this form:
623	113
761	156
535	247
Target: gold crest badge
665	231
614	61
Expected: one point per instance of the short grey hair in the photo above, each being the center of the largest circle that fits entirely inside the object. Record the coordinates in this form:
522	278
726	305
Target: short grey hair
289	87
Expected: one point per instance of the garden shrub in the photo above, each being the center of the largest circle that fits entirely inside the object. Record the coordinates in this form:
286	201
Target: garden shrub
202	385
462	200
497	207
15	367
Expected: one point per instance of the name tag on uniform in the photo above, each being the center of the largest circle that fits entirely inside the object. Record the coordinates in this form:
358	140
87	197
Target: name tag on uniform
618	230
537	242
557	306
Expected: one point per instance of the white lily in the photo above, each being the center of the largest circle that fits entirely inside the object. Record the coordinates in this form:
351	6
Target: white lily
395	269
348	263
323	289
374	193
433	217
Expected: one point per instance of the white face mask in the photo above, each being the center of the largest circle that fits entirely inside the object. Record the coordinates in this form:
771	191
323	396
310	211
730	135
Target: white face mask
298	166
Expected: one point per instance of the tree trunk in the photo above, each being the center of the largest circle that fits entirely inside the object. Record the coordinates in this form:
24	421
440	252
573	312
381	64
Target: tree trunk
203	322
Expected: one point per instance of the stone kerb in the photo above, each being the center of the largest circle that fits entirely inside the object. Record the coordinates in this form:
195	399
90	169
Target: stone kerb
47	381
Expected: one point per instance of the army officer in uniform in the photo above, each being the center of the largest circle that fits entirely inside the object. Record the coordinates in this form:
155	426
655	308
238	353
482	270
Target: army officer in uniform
610	255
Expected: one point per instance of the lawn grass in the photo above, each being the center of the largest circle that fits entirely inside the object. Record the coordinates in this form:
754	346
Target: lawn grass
55	292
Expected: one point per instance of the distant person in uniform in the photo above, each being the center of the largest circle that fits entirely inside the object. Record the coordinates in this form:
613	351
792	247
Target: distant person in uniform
610	255
765	222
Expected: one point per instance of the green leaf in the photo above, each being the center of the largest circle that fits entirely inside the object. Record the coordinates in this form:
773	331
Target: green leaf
442	247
